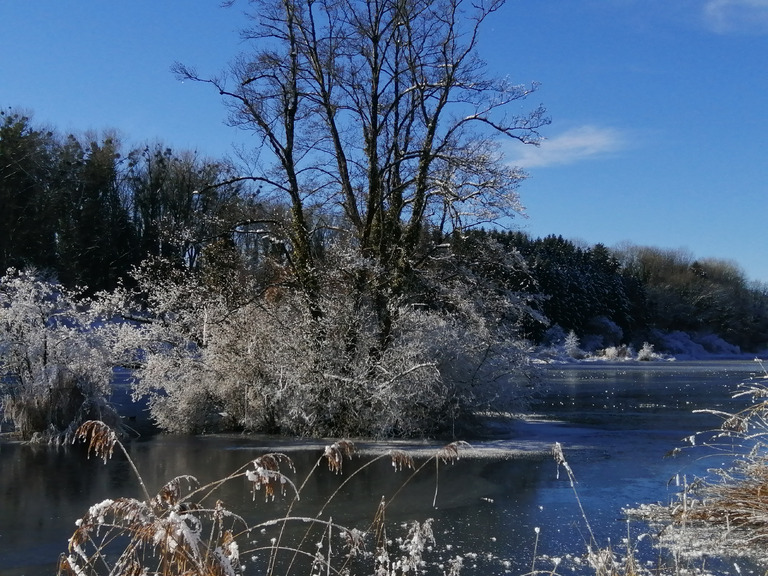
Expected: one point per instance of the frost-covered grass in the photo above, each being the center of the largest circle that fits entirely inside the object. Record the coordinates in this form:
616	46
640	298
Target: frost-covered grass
725	514
185	529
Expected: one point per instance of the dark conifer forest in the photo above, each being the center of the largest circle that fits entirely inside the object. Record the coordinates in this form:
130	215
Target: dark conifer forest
86	211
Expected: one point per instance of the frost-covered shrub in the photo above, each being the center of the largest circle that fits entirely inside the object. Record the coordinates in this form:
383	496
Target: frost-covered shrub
647	353
714	344
616	353
572	346
56	367
164	340
696	345
269	364
262	368
554	336
602	334
609	332
680	344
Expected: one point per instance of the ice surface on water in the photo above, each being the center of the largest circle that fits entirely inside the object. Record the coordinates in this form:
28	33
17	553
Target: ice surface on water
615	424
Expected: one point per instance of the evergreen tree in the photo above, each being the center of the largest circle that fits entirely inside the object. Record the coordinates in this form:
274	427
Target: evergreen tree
27	200
95	239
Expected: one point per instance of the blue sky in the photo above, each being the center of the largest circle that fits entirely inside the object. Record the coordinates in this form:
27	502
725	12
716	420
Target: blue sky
659	108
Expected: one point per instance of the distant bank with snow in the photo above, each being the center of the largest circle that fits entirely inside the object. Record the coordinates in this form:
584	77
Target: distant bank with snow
661	346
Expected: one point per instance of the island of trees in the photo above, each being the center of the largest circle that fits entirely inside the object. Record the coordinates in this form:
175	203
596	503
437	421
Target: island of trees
347	277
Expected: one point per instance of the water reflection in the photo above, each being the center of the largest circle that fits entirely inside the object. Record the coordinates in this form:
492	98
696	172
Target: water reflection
615	423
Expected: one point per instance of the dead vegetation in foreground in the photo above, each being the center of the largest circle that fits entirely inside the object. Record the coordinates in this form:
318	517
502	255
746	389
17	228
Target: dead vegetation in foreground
184	530
716	525
725	515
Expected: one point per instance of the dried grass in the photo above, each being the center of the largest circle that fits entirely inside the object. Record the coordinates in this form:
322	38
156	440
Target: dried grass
736	497
176	533
725	514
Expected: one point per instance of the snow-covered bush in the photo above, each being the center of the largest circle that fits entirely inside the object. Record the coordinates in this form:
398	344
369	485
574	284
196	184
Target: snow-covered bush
601	332
622	352
714	344
55	364
680	344
267	363
693	346
162	336
647	353
554	336
572	346
263	368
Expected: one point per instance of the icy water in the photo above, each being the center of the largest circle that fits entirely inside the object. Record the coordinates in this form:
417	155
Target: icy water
615	423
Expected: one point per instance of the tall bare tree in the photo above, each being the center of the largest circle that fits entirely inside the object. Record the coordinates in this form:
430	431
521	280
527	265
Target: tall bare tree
381	110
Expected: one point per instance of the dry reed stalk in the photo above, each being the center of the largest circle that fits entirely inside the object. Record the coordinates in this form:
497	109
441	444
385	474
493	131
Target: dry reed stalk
737	501
173	533
163	535
102	440
559	456
447	454
335	453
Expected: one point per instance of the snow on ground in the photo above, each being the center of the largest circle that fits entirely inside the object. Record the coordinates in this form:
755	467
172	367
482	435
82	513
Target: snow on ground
667	346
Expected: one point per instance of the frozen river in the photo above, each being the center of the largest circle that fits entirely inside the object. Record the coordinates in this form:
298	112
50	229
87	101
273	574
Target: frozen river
615	423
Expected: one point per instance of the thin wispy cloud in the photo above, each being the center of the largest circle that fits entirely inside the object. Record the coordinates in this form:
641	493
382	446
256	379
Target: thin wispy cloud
737	16
574	145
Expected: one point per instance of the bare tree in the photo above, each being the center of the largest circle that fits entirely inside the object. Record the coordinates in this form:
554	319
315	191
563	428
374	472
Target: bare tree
380	110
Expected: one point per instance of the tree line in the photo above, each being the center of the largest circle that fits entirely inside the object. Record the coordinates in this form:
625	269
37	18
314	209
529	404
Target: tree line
632	294
89	212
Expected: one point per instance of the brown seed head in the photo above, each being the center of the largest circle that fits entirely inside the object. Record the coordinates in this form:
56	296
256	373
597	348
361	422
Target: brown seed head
100	437
267	474
401	460
65	568
335	453
170	494
450	453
